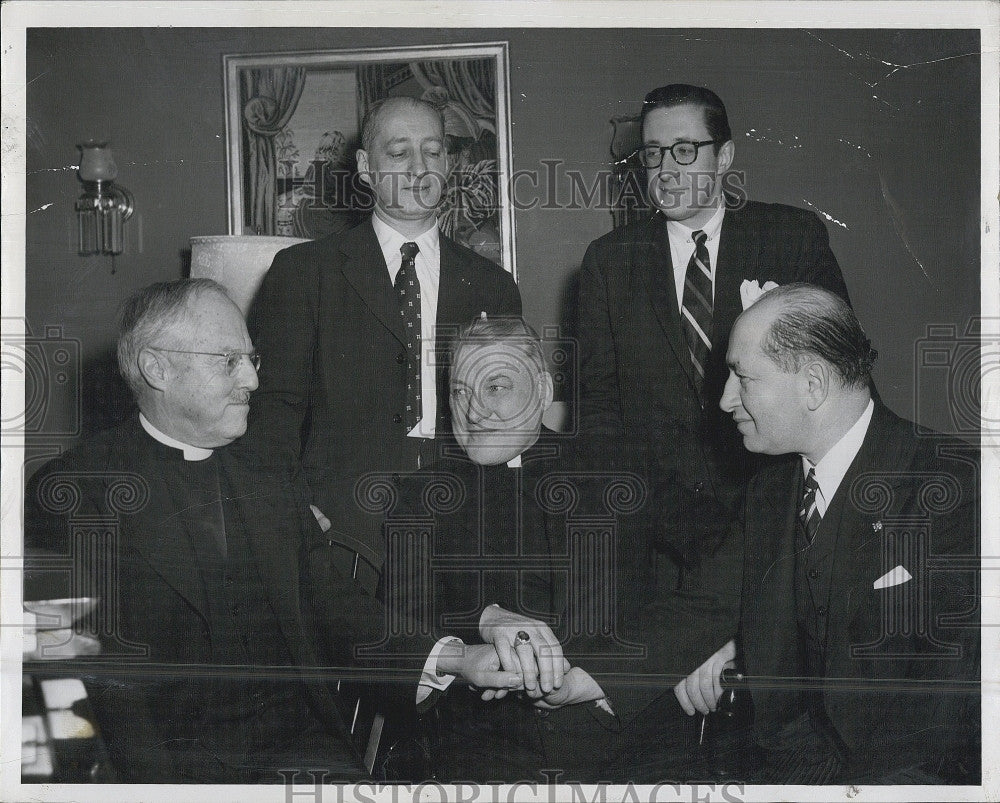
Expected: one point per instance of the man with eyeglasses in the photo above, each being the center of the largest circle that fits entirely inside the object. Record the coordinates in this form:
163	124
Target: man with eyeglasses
657	300
220	605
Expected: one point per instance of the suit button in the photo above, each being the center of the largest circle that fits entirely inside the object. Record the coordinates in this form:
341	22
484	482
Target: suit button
395	479
821	610
397	419
813	574
699	487
400	358
235	609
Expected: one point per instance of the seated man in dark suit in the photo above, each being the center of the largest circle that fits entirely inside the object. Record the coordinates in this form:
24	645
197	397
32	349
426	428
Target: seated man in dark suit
861	559
210	568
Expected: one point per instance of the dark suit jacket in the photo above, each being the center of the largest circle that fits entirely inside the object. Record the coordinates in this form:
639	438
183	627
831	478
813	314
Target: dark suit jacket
926	629
161	600
636	381
333	379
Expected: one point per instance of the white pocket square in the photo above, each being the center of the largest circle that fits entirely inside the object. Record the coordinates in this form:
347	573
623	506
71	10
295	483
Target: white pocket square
896	577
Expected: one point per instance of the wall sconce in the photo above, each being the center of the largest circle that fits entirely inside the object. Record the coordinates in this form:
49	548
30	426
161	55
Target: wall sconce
104	206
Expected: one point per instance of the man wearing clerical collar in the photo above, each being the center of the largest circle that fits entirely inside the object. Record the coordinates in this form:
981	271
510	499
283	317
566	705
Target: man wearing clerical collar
211	562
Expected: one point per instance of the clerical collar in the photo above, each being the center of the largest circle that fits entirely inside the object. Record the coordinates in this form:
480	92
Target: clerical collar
190	452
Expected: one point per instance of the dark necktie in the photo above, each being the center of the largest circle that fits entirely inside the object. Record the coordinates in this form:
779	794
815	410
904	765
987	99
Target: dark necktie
696	308
809	516
408	287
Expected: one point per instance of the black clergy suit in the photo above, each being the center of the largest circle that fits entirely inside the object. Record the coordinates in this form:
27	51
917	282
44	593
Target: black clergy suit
333	378
213	655
490	541
816	612
554	542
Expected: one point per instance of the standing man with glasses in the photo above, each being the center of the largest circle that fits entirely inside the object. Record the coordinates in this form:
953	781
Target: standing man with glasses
657	300
352	327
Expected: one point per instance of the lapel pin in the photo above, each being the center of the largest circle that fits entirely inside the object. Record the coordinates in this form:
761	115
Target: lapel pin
877	526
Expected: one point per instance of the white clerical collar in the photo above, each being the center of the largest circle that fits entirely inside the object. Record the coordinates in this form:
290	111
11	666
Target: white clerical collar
832	467
390	239
514	462
683	232
190	452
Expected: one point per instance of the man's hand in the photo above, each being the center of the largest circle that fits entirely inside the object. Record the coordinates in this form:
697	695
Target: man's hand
539	660
476	664
700	691
578	687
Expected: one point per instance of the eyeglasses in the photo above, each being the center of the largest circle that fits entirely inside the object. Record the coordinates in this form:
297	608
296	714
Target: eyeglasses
684	153
233	358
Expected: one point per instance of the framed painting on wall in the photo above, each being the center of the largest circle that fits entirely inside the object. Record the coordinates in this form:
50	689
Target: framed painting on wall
293	123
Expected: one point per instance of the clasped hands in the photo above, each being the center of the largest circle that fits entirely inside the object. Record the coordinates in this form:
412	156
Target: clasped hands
519	654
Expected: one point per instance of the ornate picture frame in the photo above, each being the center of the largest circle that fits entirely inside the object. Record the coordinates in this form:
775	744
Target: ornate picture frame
293	125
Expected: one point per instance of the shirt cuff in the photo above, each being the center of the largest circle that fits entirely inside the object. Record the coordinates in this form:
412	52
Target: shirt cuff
429	678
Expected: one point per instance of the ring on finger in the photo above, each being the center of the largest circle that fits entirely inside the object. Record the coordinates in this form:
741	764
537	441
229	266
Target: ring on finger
522	637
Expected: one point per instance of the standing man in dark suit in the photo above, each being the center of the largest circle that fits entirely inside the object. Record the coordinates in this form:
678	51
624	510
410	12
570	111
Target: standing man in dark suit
657	300
352	326
210	568
862	555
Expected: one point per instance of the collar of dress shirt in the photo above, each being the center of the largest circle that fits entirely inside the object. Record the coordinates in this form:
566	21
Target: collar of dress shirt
680	230
190	452
514	462
390	240
830	470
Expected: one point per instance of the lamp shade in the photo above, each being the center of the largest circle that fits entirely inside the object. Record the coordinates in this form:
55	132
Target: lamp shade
97	162
237	262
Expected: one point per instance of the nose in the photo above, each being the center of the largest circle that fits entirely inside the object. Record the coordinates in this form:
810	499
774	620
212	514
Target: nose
730	395
418	164
247	374
478	409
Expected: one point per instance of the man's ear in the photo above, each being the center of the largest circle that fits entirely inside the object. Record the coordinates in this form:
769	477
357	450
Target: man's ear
726	154
817	376
154	368
546	389
363	171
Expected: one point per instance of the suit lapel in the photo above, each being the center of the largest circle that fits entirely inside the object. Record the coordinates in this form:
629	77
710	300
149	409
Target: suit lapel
270	518
652	258
456	289
159	532
858	557
734	266
366	271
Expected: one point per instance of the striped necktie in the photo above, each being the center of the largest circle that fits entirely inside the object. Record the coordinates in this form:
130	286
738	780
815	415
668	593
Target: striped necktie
408	288
809	516
696	309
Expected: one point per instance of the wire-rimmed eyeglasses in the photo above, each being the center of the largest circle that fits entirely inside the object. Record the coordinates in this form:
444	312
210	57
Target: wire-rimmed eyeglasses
683	152
233	358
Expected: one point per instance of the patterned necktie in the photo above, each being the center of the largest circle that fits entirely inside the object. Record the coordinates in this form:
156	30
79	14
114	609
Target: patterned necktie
696	308
809	516
408	287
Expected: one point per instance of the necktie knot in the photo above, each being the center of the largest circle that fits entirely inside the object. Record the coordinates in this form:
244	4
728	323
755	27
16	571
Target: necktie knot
409	251
699	237
811	484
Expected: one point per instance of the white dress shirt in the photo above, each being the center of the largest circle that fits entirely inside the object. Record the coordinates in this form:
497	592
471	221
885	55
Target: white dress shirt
682	247
830	470
428	265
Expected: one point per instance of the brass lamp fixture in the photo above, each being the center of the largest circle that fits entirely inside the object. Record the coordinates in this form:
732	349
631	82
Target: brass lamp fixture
104	207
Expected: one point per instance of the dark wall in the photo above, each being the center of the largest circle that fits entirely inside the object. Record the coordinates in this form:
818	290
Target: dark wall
831	120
